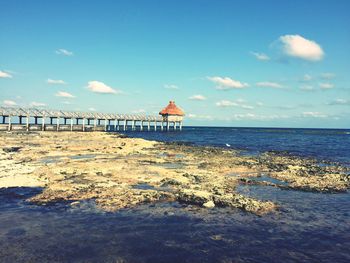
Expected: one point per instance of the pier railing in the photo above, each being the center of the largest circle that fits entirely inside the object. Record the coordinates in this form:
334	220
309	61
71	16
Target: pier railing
35	119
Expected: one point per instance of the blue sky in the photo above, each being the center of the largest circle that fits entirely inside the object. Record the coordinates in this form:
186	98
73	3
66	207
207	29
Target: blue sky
226	63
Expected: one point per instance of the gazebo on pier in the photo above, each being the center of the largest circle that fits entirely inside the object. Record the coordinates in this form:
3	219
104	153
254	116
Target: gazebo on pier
172	114
38	119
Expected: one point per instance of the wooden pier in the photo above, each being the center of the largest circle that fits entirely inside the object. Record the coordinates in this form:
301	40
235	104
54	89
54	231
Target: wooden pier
33	119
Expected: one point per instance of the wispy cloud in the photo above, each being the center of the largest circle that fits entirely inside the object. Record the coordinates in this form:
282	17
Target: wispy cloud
199	116
37	104
226	83
64	94
56	81
306	78
260	56
300	47
91	109
64	52
314	114
100	87
326	85
328	75
226	103
9	103
307	88
197	97
4	74
238	103
268	84
171	86
257	117
341	102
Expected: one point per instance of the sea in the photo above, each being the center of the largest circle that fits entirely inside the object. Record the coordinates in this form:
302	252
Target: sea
323	144
309	227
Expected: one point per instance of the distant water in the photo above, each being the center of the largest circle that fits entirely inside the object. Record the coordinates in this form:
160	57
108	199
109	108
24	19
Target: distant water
322	144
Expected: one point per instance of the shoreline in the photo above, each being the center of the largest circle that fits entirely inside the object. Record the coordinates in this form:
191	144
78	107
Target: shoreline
119	172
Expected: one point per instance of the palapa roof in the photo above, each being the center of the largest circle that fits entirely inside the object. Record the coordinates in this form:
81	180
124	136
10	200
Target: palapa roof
172	109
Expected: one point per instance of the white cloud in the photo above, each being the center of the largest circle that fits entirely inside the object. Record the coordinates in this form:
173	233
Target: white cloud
197	97
199	117
240	100
9	103
4	74
64	52
306	78
249	116
268	84
247	107
170	86
92	109
100	87
327	75
260	56
56	81
226	103
307	88
339	102
64	94
314	114
227	83
37	104
237	103
260	104
256	117
326	85
297	46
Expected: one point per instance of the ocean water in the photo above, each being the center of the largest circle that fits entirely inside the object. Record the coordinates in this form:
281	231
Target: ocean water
309	227
323	144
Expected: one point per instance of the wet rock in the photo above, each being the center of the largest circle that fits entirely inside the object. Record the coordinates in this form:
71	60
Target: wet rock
24	160
11	149
218	191
204	178
245	203
193	177
167	213
209	204
169	181
194	196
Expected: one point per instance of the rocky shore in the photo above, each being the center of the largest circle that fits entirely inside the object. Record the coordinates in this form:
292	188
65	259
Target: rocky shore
118	172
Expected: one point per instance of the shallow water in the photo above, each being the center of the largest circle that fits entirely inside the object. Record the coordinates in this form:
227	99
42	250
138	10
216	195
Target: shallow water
172	165
57	159
310	227
266	178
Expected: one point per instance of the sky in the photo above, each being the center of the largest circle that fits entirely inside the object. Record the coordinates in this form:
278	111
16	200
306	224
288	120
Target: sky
242	63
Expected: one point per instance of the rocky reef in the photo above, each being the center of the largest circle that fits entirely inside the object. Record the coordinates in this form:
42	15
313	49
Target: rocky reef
118	172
